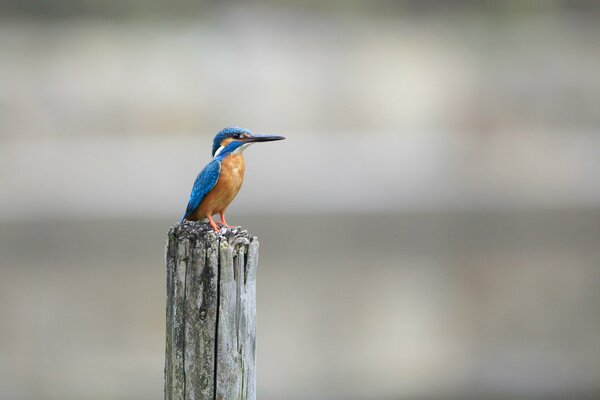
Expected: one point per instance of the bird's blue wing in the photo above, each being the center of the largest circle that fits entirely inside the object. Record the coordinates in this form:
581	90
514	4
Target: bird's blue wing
205	181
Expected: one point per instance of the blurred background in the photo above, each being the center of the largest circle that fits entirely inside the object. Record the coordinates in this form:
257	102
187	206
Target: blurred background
429	230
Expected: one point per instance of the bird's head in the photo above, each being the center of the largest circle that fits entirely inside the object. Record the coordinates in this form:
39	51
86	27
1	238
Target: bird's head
237	139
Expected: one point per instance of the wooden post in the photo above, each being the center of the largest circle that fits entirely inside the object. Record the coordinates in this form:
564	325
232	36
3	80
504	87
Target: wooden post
211	314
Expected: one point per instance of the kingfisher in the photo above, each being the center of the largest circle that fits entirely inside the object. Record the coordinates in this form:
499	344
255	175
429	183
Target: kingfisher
220	181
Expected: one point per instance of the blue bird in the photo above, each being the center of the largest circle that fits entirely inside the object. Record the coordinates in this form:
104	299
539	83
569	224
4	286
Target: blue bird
220	181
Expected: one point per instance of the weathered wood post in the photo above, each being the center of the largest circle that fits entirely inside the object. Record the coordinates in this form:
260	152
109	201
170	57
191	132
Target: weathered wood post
211	314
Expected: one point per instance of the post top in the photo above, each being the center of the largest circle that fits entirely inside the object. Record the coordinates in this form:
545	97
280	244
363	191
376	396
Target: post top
198	229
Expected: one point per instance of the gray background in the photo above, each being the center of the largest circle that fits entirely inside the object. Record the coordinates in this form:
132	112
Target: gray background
429	229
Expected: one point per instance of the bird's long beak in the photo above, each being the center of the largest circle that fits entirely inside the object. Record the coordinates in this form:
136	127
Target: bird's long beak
263	138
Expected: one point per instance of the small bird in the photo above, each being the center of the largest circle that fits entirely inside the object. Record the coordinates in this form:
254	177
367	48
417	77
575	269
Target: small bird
220	181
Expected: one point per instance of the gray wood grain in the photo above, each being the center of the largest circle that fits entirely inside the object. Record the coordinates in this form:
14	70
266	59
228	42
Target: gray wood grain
210	349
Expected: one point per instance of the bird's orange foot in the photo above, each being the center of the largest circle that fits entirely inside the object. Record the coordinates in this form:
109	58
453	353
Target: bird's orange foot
213	224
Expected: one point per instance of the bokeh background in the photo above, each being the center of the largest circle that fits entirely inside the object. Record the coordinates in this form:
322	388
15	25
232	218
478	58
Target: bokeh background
429	230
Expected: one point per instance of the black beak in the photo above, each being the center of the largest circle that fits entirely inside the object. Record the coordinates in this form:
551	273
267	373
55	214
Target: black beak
263	138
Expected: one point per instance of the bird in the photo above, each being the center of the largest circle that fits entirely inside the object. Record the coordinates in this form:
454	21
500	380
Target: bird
220	181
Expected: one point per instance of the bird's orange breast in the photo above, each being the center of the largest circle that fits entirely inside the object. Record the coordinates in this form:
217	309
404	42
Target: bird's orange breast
227	187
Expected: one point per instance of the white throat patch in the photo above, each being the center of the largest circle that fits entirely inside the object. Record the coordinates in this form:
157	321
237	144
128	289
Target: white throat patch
241	148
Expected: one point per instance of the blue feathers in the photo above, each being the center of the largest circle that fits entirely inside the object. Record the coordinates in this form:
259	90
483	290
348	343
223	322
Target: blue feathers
229	142
205	181
208	177
225	133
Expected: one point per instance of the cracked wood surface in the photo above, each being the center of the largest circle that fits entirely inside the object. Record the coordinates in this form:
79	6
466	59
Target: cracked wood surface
211	314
